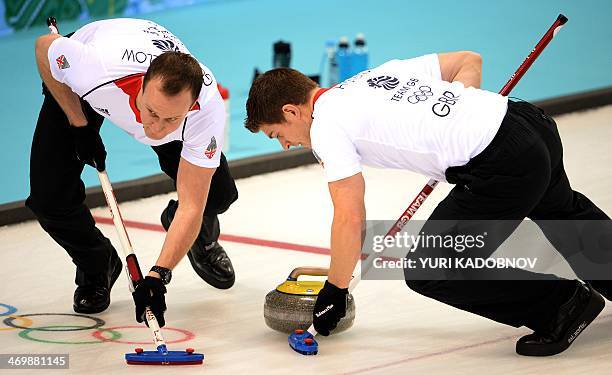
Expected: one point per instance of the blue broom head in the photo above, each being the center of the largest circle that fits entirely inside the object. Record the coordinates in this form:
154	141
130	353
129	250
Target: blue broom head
303	342
162	356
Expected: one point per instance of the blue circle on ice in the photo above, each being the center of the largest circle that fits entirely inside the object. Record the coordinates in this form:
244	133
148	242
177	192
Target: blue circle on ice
9	309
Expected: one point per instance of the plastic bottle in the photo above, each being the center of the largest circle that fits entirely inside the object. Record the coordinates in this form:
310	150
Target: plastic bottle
359	57
344	59
329	65
282	55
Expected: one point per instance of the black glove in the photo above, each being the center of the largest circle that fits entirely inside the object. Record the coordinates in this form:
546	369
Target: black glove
89	147
329	308
150	292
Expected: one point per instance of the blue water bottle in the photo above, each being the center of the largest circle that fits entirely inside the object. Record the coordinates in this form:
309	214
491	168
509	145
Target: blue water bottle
343	57
359	57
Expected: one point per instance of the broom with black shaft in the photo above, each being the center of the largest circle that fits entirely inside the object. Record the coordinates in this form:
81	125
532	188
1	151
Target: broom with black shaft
161	356
303	342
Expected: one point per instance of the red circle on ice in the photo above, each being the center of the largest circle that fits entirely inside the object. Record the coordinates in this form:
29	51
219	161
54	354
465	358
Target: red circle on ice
99	334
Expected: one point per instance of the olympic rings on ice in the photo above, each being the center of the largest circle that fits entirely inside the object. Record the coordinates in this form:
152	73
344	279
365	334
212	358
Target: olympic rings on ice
27	322
25	334
10	310
100	335
97	322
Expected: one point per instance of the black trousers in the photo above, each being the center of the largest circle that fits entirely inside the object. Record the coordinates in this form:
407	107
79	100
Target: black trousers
57	192
520	174
222	191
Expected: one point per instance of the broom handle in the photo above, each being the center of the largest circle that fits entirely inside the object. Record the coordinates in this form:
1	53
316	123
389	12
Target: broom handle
132	267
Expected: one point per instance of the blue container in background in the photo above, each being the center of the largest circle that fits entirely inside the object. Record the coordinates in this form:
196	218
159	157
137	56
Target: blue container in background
281	54
359	57
343	56
329	65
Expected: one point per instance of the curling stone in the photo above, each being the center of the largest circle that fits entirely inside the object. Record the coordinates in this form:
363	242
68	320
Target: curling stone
290	305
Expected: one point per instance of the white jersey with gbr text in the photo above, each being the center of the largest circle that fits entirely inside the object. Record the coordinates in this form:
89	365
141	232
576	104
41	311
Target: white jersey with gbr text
402	115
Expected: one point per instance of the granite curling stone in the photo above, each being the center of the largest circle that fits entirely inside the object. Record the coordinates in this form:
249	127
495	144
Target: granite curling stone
290	305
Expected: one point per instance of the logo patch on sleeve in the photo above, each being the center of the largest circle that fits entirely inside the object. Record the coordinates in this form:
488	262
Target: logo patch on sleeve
62	62
211	149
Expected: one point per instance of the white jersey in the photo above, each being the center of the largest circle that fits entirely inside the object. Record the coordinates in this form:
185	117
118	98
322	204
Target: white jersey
402	115
103	63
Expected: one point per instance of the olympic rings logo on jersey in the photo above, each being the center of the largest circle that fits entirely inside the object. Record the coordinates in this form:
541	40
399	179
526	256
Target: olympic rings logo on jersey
420	95
99	334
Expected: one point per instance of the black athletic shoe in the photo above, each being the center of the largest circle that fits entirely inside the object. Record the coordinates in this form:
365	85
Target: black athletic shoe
212	264
209	260
571	320
94	298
